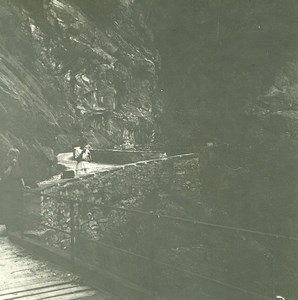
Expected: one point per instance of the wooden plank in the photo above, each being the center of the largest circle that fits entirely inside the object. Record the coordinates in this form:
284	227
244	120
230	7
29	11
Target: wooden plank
25	281
12	265
57	293
44	291
21	281
18	273
23	276
32	286
106	279
80	295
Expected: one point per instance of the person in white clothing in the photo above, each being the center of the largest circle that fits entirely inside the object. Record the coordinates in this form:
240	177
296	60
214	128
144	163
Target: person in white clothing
83	157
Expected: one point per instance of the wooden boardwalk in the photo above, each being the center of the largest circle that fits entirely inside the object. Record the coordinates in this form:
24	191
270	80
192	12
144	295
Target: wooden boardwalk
23	276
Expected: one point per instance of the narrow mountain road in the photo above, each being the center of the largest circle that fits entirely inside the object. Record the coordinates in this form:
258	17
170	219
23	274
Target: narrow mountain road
23	276
66	159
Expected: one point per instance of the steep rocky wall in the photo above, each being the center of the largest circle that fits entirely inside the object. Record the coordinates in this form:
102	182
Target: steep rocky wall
67	71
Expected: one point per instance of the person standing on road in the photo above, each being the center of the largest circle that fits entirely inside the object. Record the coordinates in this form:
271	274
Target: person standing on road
12	185
83	157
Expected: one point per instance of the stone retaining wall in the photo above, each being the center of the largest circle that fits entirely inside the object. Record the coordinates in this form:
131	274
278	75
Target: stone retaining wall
162	186
120	157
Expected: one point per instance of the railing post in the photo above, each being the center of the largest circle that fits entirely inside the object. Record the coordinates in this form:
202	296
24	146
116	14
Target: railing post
21	216
72	232
152	256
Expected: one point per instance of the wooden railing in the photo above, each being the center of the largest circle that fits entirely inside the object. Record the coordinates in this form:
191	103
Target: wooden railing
151	259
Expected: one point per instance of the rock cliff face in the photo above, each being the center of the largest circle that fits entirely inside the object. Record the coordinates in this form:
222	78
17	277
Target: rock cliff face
235	62
74	67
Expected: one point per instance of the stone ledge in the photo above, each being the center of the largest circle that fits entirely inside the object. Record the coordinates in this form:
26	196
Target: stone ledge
63	182
114	156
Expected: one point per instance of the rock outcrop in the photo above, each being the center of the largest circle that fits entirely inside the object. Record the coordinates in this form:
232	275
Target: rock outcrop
73	67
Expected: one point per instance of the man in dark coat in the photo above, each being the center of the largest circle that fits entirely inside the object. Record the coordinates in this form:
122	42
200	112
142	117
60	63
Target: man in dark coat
12	185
